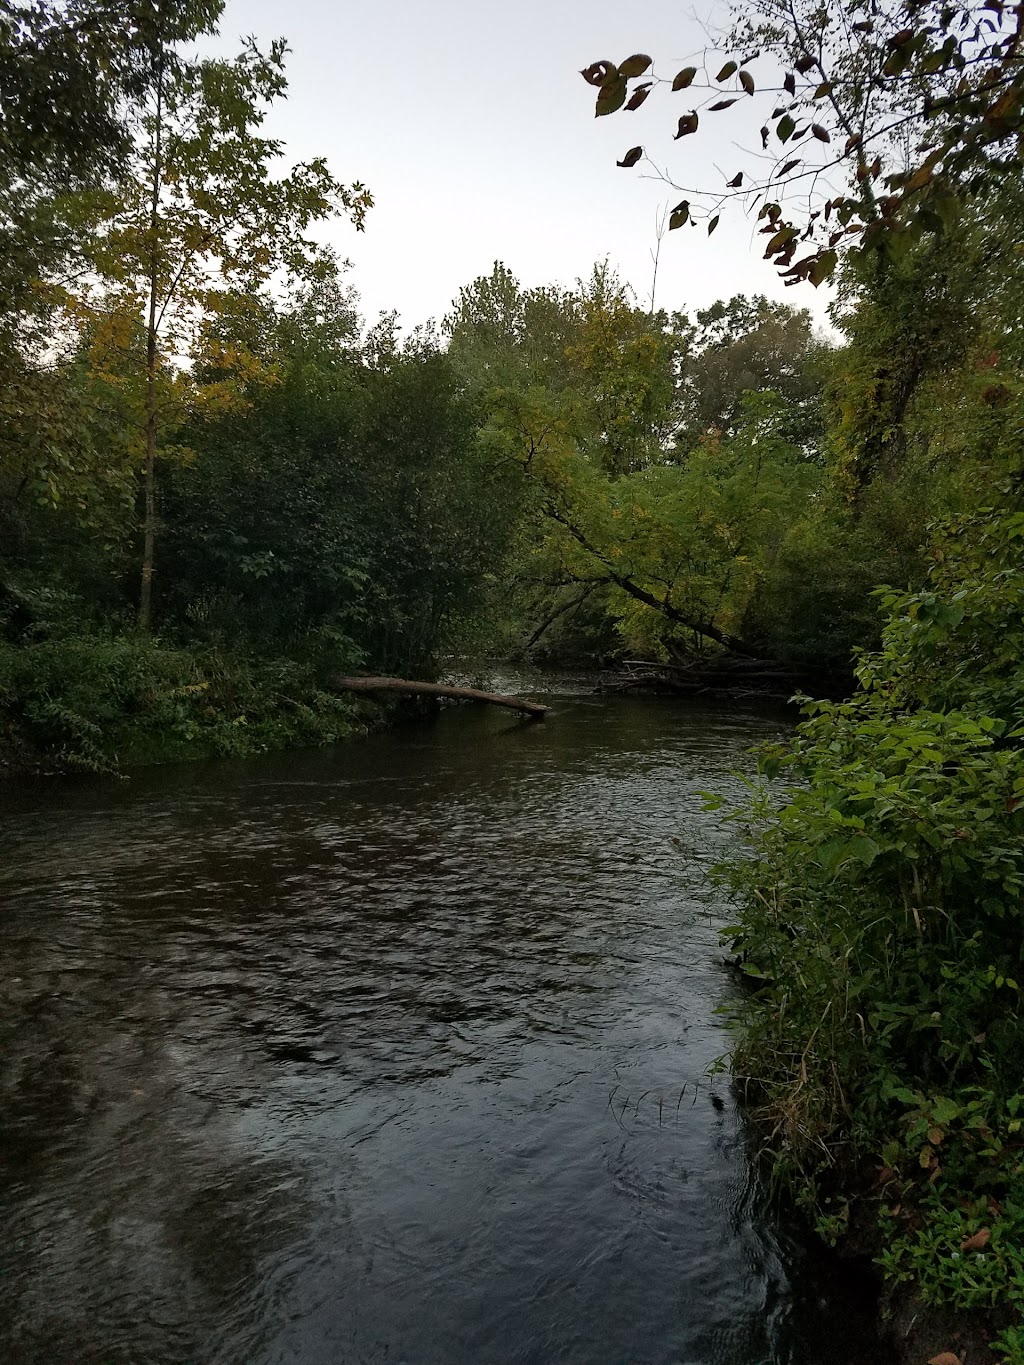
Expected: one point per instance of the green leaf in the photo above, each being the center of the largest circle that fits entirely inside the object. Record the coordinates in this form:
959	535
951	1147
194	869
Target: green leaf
631	158
687	124
947	206
635	65
785	128
781	239
729	69
823	267
863	849
684	78
680	214
944	1111
612	96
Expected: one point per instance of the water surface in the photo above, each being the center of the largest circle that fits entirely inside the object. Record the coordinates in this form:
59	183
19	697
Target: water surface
390	1053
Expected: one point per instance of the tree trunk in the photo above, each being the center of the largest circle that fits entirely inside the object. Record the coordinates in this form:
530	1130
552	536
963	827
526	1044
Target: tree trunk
705	628
149	518
426	689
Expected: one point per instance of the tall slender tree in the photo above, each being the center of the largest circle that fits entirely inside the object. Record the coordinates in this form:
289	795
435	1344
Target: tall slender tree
201	216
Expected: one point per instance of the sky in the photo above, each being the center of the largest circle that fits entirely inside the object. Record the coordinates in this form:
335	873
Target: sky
470	123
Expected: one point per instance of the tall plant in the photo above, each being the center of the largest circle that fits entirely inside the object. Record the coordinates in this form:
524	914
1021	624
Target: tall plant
203	214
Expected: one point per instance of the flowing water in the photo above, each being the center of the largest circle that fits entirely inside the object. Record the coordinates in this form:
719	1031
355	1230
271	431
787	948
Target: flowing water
394	1052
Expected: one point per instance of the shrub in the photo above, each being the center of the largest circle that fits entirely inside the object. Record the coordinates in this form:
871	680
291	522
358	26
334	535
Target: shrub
880	926
94	703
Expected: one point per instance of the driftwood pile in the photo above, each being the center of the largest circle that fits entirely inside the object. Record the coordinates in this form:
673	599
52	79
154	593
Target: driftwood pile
729	676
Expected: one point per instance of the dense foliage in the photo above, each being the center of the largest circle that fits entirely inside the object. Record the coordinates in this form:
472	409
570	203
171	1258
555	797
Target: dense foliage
881	928
218	491
215	492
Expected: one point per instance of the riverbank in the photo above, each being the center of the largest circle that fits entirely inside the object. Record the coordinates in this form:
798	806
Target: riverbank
100	705
877	918
103	704
922	1332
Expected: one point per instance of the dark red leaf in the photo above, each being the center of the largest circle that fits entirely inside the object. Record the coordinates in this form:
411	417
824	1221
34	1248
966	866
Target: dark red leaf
638	96
599	72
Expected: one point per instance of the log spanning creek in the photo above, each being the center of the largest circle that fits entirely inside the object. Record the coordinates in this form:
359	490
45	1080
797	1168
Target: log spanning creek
391	1053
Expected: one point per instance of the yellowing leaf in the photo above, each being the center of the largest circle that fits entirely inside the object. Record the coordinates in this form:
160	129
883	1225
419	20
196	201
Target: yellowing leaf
635	65
978	1242
680	214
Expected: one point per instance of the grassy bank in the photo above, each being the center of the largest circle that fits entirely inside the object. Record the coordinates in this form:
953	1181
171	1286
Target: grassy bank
98	704
879	924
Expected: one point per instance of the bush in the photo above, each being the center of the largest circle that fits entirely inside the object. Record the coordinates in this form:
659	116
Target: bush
880	926
92	704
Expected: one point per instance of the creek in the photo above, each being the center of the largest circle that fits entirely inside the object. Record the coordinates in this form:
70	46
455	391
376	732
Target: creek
394	1052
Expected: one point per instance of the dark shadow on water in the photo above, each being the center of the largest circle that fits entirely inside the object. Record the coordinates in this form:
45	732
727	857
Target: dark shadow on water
378	1054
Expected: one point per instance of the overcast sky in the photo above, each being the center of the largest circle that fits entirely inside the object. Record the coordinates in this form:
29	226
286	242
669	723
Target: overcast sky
471	125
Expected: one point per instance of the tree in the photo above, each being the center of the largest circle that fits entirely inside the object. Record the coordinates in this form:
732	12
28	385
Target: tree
746	345
672	540
64	72
903	114
347	507
200	215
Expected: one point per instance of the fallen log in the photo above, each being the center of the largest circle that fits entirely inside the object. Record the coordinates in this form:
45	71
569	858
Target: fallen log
426	689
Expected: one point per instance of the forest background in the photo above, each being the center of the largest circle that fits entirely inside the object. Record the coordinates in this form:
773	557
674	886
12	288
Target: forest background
219	490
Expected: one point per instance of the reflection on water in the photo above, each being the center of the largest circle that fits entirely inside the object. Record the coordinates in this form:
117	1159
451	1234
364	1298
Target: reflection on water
388	1053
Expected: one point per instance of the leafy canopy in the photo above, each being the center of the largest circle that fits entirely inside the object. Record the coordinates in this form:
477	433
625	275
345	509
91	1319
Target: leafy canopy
878	120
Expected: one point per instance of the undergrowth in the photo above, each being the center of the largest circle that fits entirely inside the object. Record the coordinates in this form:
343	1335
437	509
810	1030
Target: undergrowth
879	925
95	704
